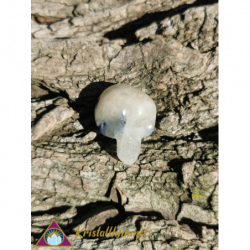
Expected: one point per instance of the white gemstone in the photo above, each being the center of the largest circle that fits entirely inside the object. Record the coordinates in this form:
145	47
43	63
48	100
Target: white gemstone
126	114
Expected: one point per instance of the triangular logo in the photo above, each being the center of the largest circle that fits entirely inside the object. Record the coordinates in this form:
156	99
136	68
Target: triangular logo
54	237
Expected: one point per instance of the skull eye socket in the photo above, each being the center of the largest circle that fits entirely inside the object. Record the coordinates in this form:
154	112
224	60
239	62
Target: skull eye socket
123	120
123	123
103	124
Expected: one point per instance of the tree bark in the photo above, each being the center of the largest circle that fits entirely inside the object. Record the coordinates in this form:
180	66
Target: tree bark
167	49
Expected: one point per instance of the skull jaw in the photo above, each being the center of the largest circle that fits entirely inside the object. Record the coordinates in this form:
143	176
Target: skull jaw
128	147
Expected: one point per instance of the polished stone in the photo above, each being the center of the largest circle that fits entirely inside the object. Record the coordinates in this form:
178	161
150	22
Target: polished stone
126	114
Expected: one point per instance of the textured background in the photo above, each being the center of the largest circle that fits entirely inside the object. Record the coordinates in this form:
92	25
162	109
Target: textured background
167	49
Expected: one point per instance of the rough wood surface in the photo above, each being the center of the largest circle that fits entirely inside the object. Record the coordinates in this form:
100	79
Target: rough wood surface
167	49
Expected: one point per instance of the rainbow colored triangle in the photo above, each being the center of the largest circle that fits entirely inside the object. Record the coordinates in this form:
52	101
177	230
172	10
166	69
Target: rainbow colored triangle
43	242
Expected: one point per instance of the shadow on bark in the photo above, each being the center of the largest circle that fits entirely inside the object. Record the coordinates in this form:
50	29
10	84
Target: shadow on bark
87	100
196	226
210	134
128	30
85	106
